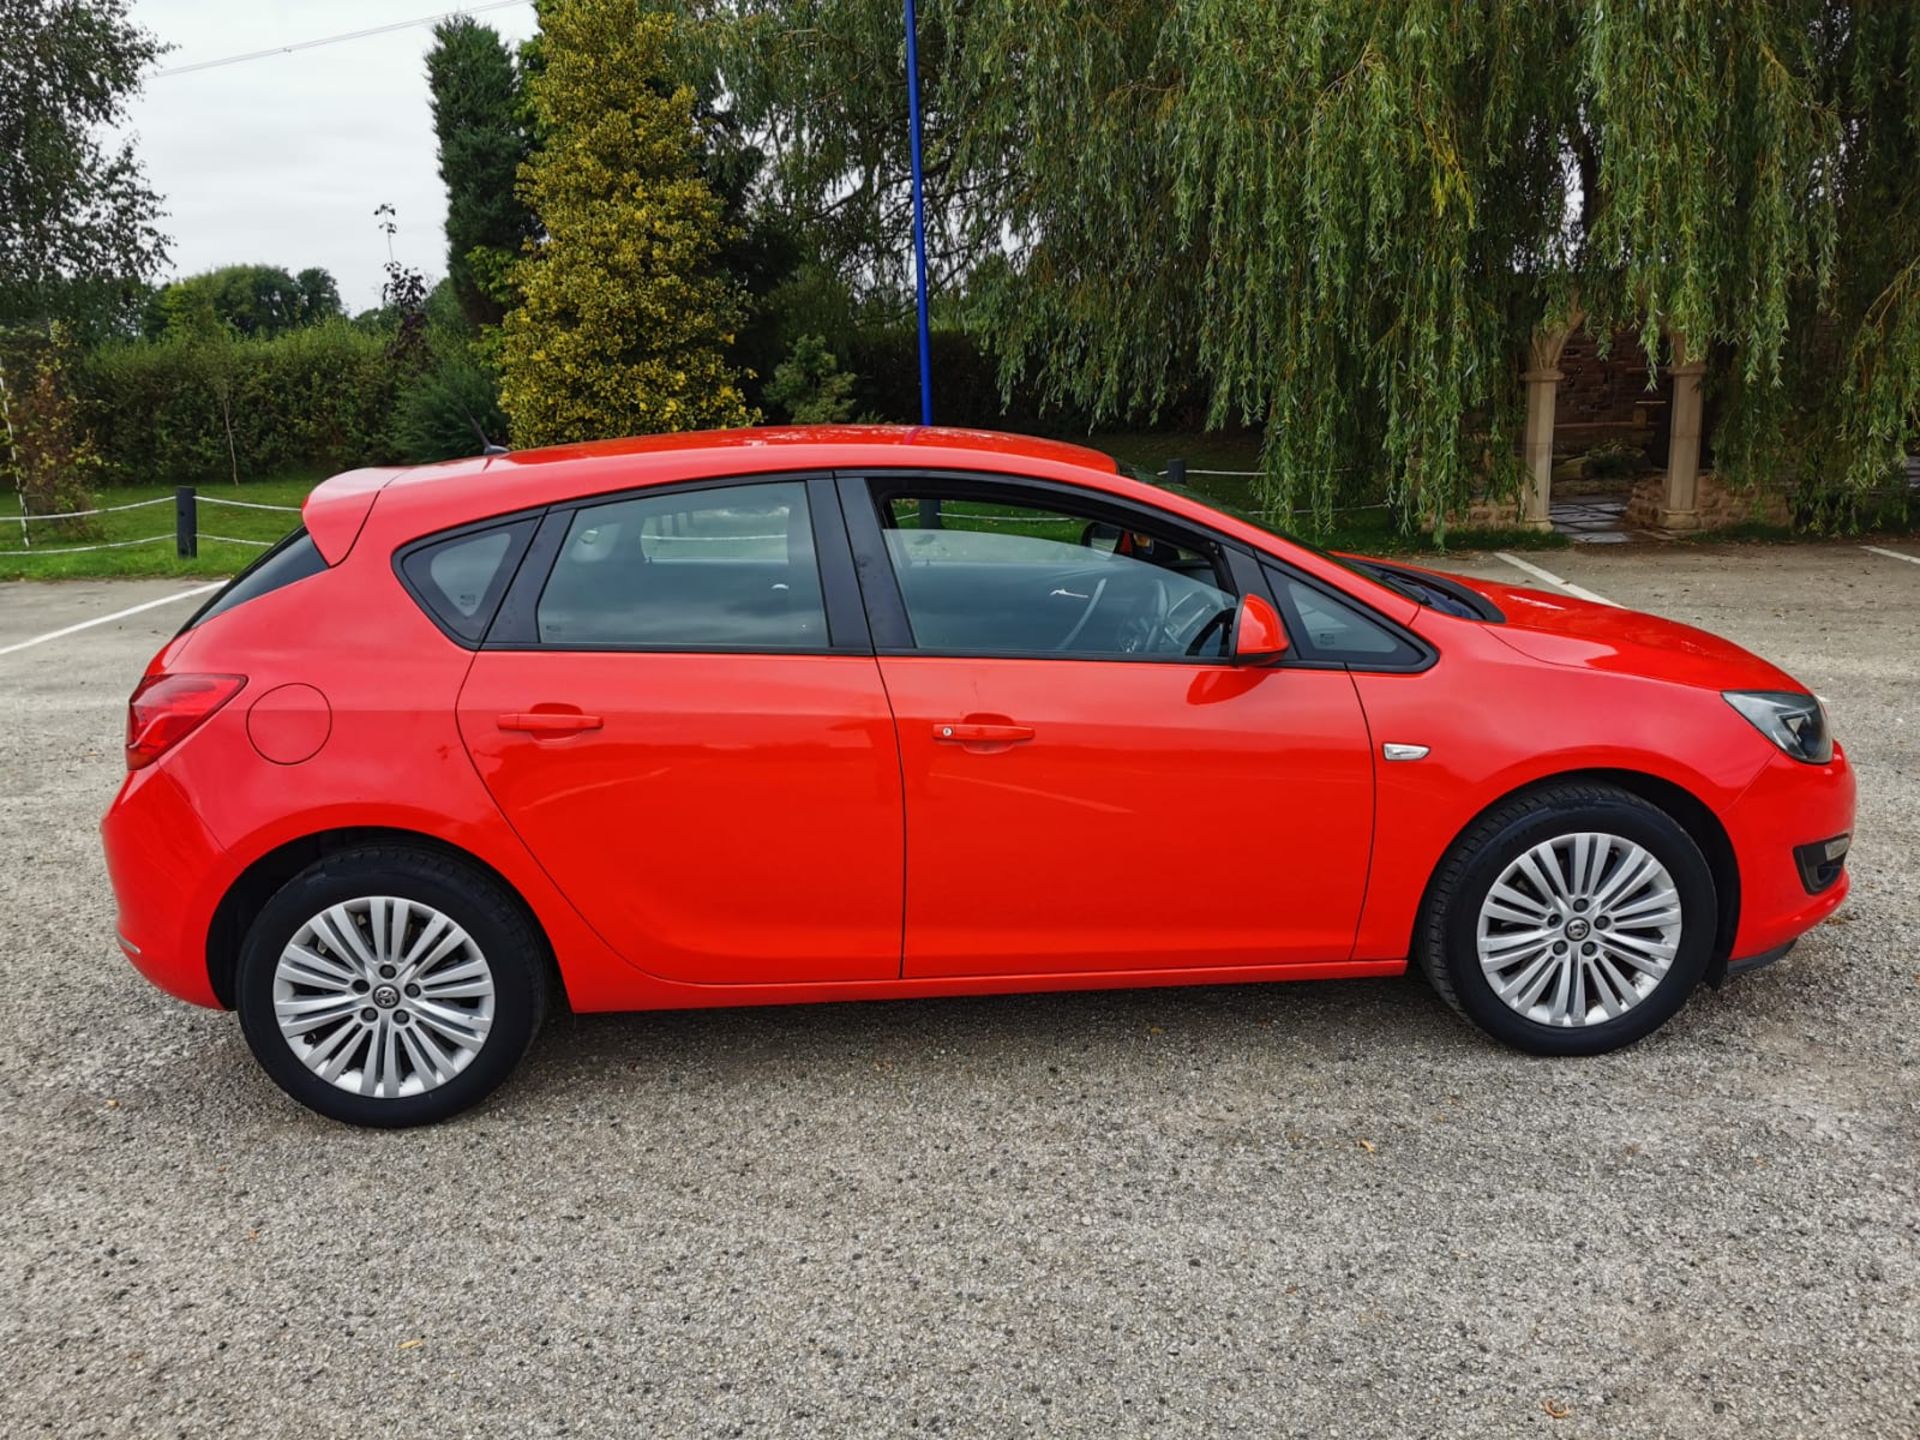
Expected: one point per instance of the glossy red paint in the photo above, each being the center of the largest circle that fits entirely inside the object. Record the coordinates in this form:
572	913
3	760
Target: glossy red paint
692	829
733	819
1258	636
1139	828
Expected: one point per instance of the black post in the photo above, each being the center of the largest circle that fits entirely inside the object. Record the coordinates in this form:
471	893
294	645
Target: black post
186	523
1176	472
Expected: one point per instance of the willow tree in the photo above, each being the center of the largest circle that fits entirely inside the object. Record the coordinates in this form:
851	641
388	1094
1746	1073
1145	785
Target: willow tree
624	318
1346	220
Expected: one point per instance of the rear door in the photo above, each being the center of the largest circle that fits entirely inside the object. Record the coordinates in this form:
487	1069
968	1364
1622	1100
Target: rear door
1091	784
679	711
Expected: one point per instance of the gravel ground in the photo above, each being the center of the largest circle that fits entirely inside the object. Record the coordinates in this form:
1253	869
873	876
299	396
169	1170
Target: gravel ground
1316	1209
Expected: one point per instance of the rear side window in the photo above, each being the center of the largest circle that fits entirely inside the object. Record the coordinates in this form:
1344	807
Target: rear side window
294	558
727	568
1336	630
460	579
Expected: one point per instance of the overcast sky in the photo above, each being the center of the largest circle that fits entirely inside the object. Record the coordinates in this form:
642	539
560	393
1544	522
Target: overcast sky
282	160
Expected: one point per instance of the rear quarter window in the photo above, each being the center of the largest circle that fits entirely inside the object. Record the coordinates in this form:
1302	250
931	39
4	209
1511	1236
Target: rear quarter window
293	559
459	580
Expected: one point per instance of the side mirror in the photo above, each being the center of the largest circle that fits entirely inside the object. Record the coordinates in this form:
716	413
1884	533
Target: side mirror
1258	636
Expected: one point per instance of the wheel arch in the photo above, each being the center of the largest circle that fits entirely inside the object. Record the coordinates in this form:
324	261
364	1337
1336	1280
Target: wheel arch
1686	809
255	885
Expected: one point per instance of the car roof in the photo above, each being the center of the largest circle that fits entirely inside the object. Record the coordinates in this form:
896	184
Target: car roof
429	498
579	461
456	491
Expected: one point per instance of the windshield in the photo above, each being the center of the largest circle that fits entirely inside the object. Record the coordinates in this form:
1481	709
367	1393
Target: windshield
1420	589
1255	519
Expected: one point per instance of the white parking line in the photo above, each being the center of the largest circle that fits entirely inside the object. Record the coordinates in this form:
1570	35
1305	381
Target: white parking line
1893	554
108	619
1579	592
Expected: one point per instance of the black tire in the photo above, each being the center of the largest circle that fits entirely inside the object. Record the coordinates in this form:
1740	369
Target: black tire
515	953
1445	940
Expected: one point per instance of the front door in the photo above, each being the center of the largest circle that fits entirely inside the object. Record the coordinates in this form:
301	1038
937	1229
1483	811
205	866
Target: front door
704	767
1090	783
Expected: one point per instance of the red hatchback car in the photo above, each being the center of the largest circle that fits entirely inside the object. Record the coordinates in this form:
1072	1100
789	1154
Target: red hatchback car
838	713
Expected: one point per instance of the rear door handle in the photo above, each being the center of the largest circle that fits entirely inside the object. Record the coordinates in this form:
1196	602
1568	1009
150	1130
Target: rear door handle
550	722
967	732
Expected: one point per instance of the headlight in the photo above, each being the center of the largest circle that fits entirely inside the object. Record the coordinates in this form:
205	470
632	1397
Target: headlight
1796	723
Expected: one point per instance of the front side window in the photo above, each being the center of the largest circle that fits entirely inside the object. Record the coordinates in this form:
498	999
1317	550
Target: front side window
1005	576
722	568
1335	630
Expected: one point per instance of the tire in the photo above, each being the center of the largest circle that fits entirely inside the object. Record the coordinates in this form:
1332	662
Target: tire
1594	1014
442	1036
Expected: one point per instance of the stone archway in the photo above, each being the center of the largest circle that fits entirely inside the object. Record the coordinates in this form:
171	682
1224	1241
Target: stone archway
1679	509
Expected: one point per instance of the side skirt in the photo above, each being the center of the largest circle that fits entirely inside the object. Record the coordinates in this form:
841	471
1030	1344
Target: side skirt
650	993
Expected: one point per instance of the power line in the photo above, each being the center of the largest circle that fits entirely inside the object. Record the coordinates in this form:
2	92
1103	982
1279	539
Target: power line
335	39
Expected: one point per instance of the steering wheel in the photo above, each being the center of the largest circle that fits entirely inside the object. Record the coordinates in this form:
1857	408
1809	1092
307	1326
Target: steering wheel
1099	589
1220	620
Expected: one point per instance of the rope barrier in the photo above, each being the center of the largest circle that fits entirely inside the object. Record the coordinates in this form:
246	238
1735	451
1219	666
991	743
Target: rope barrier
124	544
206	499
81	514
83	549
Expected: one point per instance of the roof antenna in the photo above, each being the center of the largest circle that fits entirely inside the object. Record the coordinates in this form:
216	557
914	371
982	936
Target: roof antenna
487	447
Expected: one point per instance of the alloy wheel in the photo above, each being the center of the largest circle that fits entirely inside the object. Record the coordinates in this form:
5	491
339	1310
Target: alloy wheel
383	996
1579	929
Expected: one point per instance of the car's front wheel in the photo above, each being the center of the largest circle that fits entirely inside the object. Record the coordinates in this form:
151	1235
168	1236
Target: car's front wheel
390	986
1571	920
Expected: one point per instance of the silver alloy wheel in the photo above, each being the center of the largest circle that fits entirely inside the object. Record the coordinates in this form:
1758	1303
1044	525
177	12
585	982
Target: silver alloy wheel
1579	929
383	996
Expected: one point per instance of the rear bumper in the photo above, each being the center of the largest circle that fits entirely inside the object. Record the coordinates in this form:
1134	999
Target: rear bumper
1788	806
168	873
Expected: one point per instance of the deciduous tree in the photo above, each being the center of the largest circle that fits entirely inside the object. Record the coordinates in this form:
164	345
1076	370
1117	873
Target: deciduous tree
76	216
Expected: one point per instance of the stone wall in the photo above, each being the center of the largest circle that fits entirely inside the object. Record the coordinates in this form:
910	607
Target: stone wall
1717	505
1607	399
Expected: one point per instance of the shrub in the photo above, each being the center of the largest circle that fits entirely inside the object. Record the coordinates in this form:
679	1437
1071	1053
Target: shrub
44	448
442	412
810	385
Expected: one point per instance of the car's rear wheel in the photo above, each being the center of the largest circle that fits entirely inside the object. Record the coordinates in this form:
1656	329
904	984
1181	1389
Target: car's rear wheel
1571	920
390	986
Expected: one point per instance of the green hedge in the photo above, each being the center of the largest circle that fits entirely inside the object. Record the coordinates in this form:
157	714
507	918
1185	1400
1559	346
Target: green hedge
319	399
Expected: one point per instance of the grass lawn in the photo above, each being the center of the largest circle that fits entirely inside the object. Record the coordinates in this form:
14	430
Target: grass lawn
216	557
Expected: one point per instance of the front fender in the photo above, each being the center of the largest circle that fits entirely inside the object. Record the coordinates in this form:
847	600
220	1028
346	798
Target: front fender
1495	722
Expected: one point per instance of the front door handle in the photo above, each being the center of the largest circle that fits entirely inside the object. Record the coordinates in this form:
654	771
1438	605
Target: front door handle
550	722
973	732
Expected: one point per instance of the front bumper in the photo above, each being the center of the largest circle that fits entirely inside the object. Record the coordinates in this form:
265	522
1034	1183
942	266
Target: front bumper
1789	806
1759	962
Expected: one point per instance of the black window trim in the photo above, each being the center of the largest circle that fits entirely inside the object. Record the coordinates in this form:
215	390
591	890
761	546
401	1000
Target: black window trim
497	590
864	491
516	623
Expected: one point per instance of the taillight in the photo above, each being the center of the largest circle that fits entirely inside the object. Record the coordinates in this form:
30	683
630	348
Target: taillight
165	709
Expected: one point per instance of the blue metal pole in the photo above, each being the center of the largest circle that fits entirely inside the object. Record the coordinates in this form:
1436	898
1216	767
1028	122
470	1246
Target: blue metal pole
919	218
